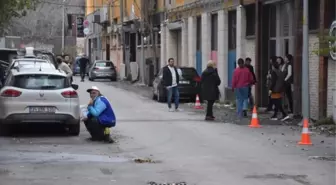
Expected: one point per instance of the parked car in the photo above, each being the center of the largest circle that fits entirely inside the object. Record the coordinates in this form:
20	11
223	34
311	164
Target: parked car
43	96
103	69
76	68
189	85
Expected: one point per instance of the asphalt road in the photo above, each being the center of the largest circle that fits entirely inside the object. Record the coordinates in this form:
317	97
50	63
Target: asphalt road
180	146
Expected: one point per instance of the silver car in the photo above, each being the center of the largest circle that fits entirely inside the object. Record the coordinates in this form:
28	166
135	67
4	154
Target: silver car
103	69
39	96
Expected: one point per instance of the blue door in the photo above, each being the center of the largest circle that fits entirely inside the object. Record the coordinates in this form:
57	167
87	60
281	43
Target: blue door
231	65
199	62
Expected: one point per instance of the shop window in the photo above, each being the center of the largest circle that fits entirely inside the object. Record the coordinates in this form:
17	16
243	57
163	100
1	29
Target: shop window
214	32
250	20
313	14
232	16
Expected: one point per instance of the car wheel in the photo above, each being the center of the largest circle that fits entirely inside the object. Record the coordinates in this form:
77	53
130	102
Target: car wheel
4	130
160	97
74	130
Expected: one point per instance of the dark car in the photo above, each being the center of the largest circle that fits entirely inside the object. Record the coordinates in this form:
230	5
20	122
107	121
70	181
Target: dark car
189	85
103	69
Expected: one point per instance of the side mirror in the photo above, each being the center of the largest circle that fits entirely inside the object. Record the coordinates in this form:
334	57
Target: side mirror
74	86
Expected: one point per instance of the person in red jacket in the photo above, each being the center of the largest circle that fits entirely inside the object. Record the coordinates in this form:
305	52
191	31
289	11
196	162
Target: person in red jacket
241	81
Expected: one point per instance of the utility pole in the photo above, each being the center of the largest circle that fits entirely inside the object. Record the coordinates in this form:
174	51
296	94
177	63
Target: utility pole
63	27
305	64
142	55
121	6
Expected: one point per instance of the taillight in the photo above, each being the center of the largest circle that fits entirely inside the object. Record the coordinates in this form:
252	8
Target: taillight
197	79
70	94
11	93
95	68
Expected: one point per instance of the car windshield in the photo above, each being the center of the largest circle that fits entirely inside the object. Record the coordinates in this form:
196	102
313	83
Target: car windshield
187	73
104	64
40	81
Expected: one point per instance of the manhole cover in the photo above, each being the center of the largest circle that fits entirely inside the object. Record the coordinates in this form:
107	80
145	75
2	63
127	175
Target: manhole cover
177	183
323	158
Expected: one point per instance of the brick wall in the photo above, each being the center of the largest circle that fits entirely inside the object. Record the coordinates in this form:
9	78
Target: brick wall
331	85
313	76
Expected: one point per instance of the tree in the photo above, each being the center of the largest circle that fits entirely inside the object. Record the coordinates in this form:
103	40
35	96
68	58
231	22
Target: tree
13	8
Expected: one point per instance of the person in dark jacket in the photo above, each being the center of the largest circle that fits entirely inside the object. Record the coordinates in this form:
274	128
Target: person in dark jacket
171	78
210	91
276	89
250	67
100	117
83	62
268	83
288	71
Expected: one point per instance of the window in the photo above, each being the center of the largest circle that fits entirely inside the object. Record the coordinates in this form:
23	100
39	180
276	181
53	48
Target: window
40	81
139	39
330	13
313	14
198	33
272	21
104	64
214	32
250	19
159	38
188	73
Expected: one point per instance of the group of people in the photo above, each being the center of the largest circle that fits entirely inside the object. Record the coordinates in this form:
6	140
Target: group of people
279	83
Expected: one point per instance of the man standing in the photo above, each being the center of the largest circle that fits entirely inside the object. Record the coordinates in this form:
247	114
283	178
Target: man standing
83	62
251	69
170	81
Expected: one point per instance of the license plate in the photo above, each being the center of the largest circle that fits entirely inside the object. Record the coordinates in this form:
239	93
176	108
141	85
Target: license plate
42	109
184	82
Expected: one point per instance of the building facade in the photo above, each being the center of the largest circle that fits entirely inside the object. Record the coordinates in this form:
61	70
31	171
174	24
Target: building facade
200	30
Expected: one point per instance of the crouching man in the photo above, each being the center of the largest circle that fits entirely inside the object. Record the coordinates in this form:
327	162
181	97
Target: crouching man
100	117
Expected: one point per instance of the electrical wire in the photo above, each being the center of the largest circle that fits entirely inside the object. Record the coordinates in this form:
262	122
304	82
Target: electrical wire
78	6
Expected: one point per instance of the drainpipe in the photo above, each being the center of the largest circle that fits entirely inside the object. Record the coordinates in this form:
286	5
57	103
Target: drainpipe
305	64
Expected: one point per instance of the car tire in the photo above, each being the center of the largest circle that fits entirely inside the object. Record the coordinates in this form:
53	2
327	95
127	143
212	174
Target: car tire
74	130
4	130
159	96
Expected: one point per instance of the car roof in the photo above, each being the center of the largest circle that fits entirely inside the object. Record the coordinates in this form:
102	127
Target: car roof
48	71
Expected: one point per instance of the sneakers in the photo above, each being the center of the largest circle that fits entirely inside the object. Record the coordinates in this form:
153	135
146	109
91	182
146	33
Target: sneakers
285	118
274	118
171	110
209	118
174	110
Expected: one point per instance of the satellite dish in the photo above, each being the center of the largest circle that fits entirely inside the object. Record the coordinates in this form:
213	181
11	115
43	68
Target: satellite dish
86	31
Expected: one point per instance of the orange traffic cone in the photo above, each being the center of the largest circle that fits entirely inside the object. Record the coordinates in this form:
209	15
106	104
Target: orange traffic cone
198	103
254	121
305	137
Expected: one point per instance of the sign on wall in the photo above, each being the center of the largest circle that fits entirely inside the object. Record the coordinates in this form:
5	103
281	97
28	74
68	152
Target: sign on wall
332	44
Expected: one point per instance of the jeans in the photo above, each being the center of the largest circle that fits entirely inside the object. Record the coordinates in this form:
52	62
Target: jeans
251	100
170	92
97	131
209	112
242	96
278	106
82	72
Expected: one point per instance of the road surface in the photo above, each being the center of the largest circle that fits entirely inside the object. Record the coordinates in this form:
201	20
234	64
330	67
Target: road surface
180	145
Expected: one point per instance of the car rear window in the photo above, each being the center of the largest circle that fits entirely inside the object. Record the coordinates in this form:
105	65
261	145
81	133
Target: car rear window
27	62
188	73
40	81
104	64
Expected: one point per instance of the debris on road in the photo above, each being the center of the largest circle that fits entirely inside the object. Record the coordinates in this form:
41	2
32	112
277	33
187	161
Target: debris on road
178	183
145	160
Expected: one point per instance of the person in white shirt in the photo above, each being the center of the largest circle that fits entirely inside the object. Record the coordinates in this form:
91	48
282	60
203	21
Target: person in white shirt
171	80
64	67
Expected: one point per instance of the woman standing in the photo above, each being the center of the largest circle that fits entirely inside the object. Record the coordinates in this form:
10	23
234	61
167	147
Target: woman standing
288	71
276	90
269	82
241	81
210	91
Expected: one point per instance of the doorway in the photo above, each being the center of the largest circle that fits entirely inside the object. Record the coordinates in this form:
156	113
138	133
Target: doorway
133	40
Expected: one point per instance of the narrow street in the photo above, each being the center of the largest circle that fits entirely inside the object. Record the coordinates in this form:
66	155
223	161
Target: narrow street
180	145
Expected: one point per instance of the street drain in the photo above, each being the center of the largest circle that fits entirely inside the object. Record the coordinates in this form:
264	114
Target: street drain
176	183
323	158
146	160
297	178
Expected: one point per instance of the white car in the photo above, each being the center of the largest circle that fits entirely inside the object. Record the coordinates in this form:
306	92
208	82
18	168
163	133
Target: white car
39	96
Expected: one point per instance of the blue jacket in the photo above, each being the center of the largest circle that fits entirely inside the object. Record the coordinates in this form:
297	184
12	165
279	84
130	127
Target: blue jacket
102	110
